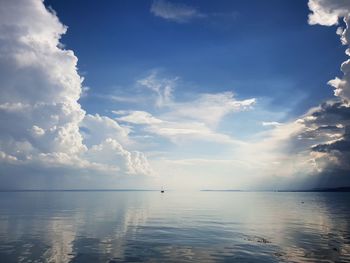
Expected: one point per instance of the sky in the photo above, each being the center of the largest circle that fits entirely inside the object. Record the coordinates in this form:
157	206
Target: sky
174	94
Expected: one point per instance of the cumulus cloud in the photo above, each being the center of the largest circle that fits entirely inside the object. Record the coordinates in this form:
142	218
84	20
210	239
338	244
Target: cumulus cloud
40	87
40	84
176	12
96	128
111	152
328	13
327	126
312	151
326	132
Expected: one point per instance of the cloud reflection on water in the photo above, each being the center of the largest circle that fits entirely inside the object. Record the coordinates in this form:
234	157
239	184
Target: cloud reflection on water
147	226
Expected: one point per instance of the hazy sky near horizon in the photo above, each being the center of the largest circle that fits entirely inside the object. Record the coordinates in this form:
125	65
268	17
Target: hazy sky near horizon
181	94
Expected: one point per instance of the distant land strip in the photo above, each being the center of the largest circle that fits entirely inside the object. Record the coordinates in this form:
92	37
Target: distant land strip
335	189
77	190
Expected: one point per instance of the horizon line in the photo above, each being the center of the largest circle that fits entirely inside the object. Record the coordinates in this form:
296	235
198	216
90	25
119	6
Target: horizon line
328	189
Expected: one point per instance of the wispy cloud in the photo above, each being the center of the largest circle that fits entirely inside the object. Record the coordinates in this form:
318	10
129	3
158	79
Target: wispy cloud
163	88
137	117
183	13
177	131
270	123
179	13
119	98
210	108
191	120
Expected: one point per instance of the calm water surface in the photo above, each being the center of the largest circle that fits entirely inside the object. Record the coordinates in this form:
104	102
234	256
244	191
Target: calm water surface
174	227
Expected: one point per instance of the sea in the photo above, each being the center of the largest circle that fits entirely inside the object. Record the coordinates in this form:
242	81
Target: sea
175	226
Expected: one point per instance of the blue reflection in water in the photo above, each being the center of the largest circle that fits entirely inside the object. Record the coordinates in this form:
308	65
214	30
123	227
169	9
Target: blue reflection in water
174	227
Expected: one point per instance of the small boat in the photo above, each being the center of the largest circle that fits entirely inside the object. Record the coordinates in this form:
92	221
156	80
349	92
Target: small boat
162	190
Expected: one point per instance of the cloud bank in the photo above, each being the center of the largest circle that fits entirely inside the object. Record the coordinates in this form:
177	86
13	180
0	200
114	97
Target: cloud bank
329	124
41	119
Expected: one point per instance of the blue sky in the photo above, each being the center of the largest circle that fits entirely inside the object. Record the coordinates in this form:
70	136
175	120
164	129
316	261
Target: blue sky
251	48
226	94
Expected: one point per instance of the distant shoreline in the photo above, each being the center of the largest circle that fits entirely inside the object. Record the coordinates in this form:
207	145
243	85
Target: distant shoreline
77	190
336	189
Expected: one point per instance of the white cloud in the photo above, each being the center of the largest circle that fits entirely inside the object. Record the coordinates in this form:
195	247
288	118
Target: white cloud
328	13
270	123
184	131
37	131
40	84
96	128
312	151
327	126
39	93
112	153
179	13
210	108
138	117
